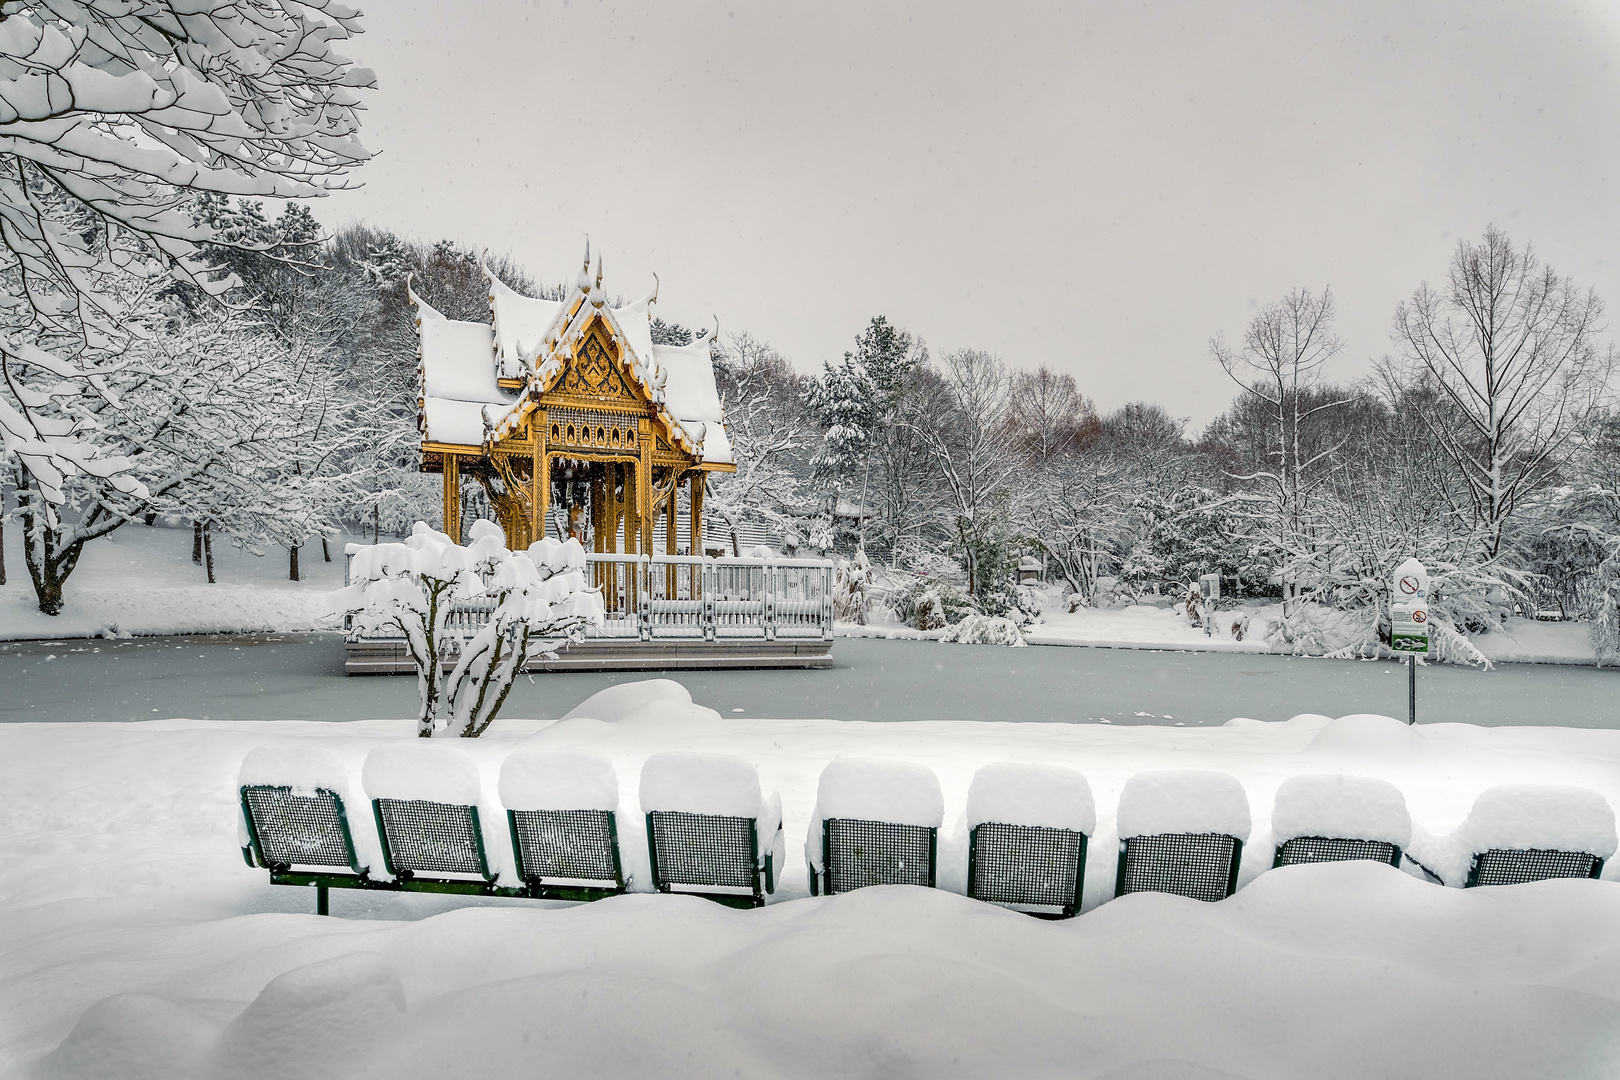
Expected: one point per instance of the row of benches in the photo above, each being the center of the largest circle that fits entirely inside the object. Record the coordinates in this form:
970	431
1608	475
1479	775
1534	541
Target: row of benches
301	833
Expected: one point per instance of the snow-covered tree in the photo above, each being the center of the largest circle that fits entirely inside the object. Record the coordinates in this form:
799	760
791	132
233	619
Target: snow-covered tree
770	434
1511	348
413	587
115	117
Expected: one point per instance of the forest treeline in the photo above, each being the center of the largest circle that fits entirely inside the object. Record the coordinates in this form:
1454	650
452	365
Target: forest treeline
1486	442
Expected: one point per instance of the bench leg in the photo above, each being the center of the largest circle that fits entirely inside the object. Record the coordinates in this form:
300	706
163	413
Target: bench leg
322	904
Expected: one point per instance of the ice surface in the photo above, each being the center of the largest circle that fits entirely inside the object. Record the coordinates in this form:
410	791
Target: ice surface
1016	794
558	780
899	792
618	702
425	769
1346	807
722	784
1183	801
302	768
1540	816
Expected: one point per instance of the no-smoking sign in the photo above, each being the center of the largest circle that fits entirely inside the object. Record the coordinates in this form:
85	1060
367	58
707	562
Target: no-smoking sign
1420	616
1409	584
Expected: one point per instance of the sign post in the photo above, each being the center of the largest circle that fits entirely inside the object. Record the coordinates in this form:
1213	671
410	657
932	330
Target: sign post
1409	623
1209	591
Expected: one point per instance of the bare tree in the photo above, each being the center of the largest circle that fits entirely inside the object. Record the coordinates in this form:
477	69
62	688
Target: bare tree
1048	416
1511	347
769	432
969	443
1284	350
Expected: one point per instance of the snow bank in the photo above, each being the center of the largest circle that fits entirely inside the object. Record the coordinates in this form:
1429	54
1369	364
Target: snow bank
302	768
721	784
424	769
1183	801
558	780
618	702
1539	816
1345	807
1015	794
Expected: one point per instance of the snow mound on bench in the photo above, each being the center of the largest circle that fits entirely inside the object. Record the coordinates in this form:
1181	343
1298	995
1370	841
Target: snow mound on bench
721	784
618	702
558	780
302	768
899	792
1547	816
1183	801
1015	794
424	769
1344	807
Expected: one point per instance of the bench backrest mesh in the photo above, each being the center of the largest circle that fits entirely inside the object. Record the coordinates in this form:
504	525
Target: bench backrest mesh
1504	866
298	830
1312	849
1025	864
702	849
430	837
858	853
566	844
1196	865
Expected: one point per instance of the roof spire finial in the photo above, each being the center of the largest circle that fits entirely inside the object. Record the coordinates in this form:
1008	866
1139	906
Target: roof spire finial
583	282
601	297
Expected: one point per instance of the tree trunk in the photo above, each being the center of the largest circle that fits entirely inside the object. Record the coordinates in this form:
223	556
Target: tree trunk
208	551
151	516
196	542
292	563
326	552
2	543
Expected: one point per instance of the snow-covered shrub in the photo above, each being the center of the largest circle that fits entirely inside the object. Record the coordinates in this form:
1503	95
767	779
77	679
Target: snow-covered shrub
1604	630
985	630
929	604
1309	630
411	588
852	588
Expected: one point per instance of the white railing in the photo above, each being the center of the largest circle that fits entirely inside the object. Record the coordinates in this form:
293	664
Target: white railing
680	597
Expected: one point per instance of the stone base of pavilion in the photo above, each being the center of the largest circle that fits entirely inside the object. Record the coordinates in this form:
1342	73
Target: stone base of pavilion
383	657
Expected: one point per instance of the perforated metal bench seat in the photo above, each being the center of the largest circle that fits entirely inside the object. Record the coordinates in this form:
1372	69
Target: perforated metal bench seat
302	839
1509	866
1032	868
1315	849
435	847
709	855
567	854
856	853
1200	866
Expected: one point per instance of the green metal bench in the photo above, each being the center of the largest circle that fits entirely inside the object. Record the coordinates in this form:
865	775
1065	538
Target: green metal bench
435	847
1513	866
567	854
1316	849
1199	866
856	853
709	832
1027	866
302	838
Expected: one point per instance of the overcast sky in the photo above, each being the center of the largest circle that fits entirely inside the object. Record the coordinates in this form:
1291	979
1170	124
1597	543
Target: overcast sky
1097	187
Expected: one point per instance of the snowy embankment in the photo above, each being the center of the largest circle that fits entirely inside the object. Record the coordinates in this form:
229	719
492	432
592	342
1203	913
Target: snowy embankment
141	581
135	943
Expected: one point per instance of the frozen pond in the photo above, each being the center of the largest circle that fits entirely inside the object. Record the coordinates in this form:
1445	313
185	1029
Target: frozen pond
300	676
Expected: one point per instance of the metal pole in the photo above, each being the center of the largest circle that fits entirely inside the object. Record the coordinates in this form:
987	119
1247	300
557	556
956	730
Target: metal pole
322	906
1411	688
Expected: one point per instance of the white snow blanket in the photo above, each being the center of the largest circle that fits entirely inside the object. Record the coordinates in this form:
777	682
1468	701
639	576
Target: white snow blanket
1183	801
721	784
134	942
1555	817
305	769
1047	795
1344	807
558	780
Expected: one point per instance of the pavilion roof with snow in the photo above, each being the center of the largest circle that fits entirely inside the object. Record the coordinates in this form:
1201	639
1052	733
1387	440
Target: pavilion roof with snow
567	412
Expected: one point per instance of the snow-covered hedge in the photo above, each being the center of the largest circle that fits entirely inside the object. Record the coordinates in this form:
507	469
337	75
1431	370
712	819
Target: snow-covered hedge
558	780
1344	807
985	630
1183	801
1015	794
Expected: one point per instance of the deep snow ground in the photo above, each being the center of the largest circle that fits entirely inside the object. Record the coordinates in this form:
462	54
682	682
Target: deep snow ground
121	877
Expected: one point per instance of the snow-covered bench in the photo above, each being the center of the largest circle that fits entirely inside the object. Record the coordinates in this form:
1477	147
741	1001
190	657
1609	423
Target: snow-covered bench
294	821
1028	826
424	796
875	823
562	812
1330	818
710	832
1531	832
1181	832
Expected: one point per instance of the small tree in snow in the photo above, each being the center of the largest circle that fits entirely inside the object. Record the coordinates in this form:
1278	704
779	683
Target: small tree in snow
412	589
